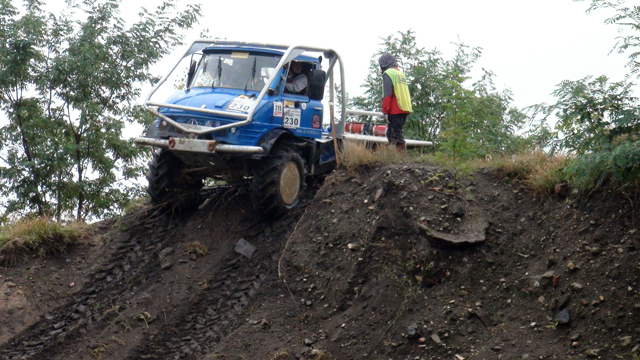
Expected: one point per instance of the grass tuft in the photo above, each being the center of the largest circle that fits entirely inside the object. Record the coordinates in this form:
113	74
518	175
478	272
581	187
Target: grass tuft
539	171
38	237
195	247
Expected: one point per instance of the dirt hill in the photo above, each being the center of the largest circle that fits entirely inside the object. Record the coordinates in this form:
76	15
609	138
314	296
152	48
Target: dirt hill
387	263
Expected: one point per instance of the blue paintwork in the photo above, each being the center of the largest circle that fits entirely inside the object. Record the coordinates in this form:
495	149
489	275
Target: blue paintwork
263	118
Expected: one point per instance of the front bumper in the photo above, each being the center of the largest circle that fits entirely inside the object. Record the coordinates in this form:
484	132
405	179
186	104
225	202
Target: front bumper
198	146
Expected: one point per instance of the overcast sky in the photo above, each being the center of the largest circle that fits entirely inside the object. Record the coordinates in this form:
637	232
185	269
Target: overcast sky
531	46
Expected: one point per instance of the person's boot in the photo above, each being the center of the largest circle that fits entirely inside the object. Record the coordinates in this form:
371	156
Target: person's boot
402	148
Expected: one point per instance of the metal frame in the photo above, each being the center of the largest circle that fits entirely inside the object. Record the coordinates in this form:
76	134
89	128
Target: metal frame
290	53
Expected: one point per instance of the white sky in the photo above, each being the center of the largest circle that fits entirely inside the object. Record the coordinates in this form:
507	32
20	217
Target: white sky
531	46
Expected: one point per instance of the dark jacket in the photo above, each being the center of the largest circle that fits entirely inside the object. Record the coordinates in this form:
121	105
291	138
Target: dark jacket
389	102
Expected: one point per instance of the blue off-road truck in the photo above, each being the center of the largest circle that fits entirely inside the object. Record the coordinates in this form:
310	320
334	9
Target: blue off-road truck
237	119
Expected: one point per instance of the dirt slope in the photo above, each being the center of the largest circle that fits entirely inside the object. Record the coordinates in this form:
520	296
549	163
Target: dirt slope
554	278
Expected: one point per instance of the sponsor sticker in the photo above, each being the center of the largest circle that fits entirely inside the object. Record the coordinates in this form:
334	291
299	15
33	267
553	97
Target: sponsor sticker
239	55
289	104
304	106
277	109
291	118
317	122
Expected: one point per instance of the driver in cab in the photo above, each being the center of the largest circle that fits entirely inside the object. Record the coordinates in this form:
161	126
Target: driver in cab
296	80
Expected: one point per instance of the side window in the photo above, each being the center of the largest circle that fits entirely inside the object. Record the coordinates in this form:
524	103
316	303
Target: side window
297	78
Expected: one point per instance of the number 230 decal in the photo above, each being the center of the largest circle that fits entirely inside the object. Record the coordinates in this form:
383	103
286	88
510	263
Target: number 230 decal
291	118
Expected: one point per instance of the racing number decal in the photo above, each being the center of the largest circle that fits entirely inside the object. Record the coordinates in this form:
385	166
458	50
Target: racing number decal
277	109
240	104
291	118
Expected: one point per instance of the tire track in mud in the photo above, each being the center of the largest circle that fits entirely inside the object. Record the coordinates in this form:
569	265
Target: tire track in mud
217	309
132	264
135	257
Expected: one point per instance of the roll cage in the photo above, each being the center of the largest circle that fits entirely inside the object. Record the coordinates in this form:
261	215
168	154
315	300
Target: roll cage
289	53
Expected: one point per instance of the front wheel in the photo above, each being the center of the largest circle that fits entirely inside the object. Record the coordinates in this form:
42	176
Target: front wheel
278	181
169	184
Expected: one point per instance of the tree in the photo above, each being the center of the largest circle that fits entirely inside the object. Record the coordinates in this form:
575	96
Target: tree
627	16
68	87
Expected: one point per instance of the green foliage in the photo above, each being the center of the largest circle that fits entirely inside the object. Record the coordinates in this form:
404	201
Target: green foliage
464	121
598	123
626	16
74	83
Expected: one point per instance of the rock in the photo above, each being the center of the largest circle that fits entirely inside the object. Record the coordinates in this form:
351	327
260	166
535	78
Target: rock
165	252
571	266
552	261
598	236
593	352
635	349
563	301
574	337
379	194
576	286
166	265
352	246
412	332
626	340
308	342
563	317
11	285
473	230
245	248
436	339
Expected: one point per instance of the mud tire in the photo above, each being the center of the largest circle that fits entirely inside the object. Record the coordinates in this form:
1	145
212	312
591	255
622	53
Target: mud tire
278	181
169	185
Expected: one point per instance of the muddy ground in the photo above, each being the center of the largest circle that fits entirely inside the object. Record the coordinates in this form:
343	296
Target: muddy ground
367	267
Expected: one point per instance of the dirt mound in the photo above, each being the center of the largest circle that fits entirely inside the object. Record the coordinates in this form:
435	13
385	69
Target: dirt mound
386	263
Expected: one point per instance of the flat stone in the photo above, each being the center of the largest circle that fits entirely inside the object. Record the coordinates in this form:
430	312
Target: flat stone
436	338
167	265
245	248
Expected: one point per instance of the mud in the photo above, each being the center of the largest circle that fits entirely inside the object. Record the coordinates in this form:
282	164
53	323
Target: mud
351	272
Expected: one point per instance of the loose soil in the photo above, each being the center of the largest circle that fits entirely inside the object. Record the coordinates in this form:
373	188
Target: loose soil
350	274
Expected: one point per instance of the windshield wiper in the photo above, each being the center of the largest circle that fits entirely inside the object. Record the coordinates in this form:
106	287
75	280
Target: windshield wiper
218	72
253	74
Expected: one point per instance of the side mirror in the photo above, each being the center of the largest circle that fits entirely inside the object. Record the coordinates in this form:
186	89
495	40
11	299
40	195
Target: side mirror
317	80
191	73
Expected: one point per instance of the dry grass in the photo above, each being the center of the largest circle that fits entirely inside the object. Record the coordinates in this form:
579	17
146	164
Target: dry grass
357	153
39	237
539	171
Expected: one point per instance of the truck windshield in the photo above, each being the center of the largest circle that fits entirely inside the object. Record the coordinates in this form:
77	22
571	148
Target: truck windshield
236	70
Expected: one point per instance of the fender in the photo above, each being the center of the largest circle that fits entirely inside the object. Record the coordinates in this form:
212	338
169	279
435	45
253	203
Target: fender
274	136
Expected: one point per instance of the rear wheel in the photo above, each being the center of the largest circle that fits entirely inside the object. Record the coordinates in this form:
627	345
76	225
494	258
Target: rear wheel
169	184
278	181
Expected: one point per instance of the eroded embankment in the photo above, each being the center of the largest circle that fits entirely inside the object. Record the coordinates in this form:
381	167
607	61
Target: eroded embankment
380	265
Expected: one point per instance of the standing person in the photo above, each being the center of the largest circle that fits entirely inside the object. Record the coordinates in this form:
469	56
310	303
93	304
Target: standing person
396	101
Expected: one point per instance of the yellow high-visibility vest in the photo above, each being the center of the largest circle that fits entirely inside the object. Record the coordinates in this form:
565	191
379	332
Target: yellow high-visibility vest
400	88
